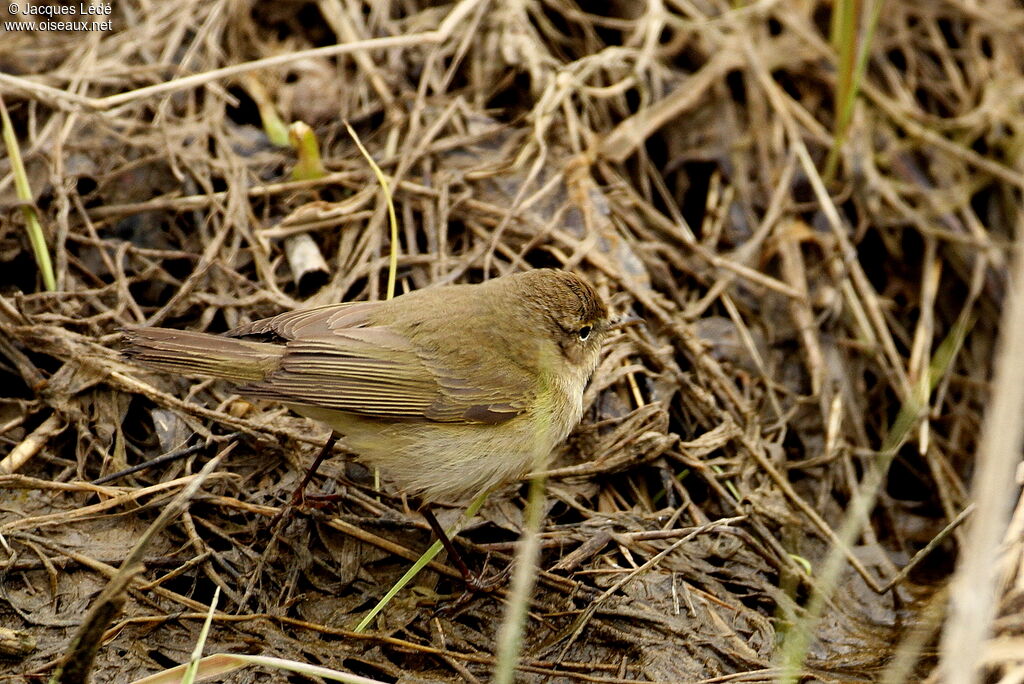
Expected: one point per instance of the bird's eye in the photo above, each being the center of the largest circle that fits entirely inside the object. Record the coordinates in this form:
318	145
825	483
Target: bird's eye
584	332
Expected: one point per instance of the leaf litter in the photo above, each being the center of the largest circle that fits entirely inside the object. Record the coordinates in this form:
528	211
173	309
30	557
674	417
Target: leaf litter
656	149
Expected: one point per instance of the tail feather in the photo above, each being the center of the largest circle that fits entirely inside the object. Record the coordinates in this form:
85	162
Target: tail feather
196	353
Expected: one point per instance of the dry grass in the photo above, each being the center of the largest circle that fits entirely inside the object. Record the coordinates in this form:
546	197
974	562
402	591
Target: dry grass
804	338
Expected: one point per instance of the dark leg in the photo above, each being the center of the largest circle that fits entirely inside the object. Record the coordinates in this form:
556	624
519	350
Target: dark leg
300	492
474	583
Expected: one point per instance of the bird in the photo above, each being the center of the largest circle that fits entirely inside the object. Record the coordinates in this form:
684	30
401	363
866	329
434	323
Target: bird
450	390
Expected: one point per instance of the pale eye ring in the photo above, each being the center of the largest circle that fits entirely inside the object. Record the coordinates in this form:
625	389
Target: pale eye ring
584	332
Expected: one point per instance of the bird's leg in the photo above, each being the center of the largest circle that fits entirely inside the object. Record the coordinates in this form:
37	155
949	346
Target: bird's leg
474	583
299	495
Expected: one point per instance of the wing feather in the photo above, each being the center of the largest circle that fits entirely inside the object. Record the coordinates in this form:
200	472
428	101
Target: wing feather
335	358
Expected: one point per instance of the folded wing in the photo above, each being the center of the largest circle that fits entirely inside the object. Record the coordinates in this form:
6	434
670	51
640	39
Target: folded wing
334	358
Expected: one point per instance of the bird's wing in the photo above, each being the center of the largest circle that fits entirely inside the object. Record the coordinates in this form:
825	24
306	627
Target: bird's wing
334	360
318	320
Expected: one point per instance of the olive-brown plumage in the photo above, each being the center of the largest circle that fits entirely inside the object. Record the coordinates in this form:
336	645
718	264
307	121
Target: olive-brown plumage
448	390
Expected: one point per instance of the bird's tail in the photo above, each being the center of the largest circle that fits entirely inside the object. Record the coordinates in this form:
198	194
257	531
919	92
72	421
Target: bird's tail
184	351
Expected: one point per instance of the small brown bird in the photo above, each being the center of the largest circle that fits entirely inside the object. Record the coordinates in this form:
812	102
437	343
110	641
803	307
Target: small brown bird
448	390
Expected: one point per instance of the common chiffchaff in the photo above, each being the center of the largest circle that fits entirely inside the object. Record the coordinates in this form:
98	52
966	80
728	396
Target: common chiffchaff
448	390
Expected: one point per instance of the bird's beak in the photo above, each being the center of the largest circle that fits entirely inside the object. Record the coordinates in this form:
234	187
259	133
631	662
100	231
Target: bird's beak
625	321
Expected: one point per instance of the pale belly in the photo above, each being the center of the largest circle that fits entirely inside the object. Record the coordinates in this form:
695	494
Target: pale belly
453	461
